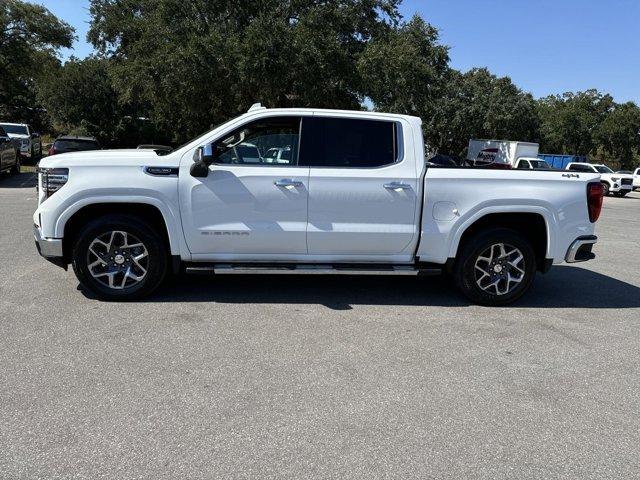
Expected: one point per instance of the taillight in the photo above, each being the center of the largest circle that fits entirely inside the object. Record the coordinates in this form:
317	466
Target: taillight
595	194
52	150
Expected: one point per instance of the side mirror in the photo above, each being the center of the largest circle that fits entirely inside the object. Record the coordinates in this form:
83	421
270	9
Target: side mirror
202	158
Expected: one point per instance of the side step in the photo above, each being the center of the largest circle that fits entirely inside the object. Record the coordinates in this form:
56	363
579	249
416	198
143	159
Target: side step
308	269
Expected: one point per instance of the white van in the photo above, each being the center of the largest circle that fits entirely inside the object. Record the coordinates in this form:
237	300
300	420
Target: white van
502	153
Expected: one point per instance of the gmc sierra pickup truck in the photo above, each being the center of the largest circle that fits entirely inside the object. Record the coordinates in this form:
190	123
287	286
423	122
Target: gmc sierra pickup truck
353	195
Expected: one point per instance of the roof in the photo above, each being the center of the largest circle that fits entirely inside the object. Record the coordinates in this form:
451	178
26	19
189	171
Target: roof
14	124
297	111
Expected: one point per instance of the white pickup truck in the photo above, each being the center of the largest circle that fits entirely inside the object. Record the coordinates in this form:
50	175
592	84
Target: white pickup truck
28	142
618	184
355	196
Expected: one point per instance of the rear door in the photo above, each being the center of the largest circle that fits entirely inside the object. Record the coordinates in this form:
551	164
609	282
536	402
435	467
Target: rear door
363	189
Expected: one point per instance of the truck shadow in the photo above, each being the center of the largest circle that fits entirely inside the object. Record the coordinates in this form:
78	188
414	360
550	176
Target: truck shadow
563	287
22	180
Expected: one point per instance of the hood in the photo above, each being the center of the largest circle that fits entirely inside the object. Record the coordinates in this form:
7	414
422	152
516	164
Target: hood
21	136
108	158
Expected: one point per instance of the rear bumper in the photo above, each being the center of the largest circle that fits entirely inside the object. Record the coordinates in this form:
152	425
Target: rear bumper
581	249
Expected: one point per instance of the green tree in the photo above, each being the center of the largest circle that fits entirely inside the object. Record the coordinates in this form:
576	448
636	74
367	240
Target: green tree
81	100
29	38
406	69
570	122
618	136
477	104
197	63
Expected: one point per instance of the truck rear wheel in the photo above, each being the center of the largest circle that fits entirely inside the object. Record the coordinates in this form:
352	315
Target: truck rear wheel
496	267
119	257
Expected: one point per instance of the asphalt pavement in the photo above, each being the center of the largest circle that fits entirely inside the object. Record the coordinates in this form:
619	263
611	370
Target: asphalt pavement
319	377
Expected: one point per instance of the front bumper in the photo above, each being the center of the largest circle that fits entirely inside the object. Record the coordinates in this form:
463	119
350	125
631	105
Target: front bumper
620	188
581	249
47	247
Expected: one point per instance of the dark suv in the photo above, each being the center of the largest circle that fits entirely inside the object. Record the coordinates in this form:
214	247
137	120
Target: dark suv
70	143
9	158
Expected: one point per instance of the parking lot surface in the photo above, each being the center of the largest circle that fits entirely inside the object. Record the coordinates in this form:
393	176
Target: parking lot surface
319	377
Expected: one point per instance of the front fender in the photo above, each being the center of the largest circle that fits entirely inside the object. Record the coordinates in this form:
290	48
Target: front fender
171	218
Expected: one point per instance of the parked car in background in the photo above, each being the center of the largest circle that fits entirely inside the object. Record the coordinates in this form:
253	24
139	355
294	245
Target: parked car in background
278	155
70	143
617	183
27	141
527	163
355	197
159	149
9	158
499	153
441	160
636	177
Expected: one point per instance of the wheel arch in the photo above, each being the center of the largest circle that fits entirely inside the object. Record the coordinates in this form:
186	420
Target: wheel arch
532	225
71	222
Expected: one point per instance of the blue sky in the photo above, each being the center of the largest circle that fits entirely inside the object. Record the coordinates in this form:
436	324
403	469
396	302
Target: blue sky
545	46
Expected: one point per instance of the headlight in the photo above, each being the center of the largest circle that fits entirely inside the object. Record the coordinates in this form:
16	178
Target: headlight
615	179
50	180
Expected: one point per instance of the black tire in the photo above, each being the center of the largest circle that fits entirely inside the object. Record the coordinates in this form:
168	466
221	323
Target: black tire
606	189
156	260
621	194
16	168
467	276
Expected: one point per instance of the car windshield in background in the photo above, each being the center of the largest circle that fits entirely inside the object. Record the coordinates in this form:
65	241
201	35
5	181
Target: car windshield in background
15	129
604	169
75	145
539	164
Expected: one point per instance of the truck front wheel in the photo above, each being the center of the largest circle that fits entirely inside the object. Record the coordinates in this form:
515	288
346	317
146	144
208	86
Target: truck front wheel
119	257
496	267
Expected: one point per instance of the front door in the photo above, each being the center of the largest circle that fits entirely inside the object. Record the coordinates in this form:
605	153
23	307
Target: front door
249	207
363	190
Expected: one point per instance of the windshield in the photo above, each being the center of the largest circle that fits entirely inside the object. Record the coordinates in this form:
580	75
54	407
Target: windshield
539	164
603	169
76	145
15	129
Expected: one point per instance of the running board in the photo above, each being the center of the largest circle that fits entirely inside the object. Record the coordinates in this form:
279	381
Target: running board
286	269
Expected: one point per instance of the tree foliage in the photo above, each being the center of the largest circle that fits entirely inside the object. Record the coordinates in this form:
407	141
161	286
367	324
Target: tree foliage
166	70
197	63
81	100
29	38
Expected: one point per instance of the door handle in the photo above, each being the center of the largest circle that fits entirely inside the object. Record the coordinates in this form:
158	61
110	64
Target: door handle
287	182
397	186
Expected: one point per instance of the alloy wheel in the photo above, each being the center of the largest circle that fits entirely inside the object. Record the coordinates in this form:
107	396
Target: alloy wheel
118	260
499	269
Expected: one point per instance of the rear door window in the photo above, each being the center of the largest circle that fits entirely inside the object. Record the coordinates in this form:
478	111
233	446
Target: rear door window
352	143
